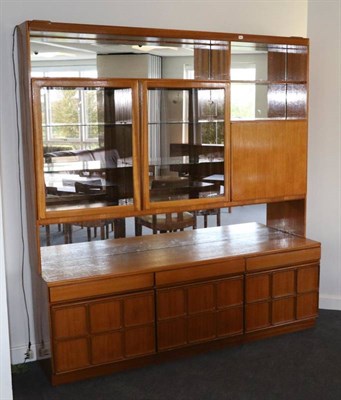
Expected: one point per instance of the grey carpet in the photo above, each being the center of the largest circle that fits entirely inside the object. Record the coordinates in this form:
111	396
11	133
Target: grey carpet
296	366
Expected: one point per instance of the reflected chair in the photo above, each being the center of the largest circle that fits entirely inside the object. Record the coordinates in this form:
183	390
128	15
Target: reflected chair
168	222
206	213
102	224
93	189
165	188
50	192
211	211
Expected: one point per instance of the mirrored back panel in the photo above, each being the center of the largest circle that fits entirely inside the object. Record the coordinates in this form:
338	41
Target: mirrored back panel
268	62
118	56
269	81
250	101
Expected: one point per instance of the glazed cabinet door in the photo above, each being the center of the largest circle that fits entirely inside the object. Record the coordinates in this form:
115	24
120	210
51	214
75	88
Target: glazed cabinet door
200	312
281	296
103	331
185	143
86	146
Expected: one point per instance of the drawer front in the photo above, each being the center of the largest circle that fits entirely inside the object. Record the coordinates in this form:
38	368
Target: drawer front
282	259
76	291
200	272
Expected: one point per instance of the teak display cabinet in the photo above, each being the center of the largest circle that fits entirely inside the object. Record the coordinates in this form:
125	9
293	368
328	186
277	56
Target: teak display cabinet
148	135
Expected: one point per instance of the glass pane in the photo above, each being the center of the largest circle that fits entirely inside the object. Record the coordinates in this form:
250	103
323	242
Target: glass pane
243	101
270	62
64	105
87	147
257	101
186	143
253	56
119	56
276	96
65	132
297	101
90	106
297	63
62	73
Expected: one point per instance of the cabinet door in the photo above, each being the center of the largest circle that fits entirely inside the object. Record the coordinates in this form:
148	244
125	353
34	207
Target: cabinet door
258	287
96	171
283	310
278	166
105	316
185	143
122	327
69	330
201	298
201	327
107	347
69	322
171	303
230	321
257	316
71	354
308	279
139	311
199	312
281	296
139	341
103	331
307	305
172	333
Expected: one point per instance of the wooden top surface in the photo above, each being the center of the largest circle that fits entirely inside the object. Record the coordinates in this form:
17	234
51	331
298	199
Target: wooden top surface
119	257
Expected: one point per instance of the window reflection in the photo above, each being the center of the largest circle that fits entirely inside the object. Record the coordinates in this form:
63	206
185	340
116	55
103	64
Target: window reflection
268	81
261	101
87	147
186	131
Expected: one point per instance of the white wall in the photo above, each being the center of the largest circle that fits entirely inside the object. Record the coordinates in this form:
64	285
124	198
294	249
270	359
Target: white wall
288	18
5	362
323	217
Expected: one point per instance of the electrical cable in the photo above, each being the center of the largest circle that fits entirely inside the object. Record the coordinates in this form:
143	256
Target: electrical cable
20	195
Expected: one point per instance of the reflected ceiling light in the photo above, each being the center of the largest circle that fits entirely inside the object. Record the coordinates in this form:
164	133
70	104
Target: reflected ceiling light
151	48
53	54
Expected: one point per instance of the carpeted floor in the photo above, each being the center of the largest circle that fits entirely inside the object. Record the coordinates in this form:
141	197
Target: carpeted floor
299	366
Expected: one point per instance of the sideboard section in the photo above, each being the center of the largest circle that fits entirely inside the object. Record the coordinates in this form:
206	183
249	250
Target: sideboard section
102	324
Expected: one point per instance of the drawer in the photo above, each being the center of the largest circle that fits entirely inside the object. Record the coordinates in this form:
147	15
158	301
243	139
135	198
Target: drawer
282	259
79	290
206	271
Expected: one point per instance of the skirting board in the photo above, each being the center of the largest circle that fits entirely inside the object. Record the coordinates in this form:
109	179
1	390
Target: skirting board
18	353
329	302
